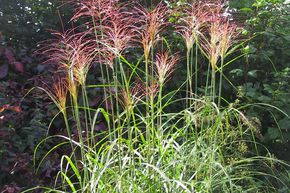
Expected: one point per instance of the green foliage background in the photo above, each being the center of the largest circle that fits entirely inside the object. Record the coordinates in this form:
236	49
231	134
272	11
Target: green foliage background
26	22
264	74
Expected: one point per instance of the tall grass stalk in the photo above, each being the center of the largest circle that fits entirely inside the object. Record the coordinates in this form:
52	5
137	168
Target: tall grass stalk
104	73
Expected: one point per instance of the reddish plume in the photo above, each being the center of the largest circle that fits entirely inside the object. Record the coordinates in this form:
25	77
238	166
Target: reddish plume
165	65
192	22
151	24
222	34
96	9
131	97
73	53
118	29
58	91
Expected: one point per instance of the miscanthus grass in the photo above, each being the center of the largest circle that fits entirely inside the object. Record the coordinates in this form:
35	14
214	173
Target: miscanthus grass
206	145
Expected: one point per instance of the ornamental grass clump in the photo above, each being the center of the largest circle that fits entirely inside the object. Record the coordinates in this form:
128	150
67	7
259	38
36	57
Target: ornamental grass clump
151	142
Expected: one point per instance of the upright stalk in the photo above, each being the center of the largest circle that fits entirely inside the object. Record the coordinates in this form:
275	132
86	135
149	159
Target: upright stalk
104	78
196	69
147	96
207	80
119	127
188	79
69	133
159	115
88	120
213	84
79	130
152	94
220	82
148	101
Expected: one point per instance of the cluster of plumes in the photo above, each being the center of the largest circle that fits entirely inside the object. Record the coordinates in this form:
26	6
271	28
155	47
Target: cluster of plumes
76	50
96	9
222	35
207	23
112	29
112	26
74	54
193	22
119	30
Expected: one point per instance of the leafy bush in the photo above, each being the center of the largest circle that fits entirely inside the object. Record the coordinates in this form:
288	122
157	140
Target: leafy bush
263	78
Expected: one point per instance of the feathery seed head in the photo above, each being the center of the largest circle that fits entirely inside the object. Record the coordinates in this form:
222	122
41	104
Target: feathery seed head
74	54
229	37
60	88
118	29
191	24
153	89
151	24
129	98
107	57
164	65
93	8
220	34
58	92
